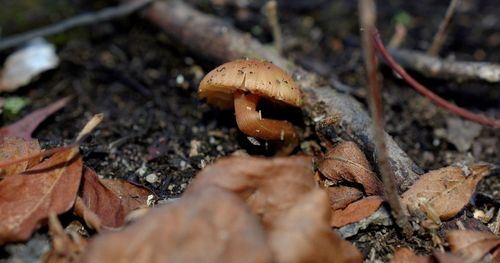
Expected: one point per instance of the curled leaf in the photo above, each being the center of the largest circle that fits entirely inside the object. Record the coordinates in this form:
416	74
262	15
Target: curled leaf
444	192
347	162
210	225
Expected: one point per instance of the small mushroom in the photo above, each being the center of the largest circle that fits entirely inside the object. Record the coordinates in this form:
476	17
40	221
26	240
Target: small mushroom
241	84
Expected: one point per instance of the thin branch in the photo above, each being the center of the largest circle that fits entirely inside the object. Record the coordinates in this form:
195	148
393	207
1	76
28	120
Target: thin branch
367	16
80	20
429	94
440	36
435	67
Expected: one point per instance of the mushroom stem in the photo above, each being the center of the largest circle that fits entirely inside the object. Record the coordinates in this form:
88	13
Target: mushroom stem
251	123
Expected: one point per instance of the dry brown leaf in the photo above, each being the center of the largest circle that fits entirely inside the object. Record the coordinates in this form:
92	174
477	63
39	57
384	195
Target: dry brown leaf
347	162
342	196
132	196
473	245
269	186
210	225
14	148
106	202
356	211
443	192
27	199
64	248
100	201
303	234
406	255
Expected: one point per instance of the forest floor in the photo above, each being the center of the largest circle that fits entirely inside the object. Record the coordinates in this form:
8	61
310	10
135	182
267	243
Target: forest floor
146	85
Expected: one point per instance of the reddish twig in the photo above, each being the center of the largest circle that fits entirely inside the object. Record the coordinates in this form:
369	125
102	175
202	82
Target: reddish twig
426	92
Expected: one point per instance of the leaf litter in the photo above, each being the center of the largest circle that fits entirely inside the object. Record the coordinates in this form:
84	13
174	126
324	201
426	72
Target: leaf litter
276	199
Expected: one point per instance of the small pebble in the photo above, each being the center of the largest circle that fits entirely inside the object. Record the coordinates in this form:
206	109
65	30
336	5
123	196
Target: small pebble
151	178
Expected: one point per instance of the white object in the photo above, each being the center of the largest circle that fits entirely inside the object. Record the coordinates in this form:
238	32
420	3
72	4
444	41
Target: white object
26	63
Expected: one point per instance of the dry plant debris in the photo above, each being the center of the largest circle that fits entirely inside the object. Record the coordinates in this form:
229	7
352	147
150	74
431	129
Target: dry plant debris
473	245
108	200
269	187
355	211
13	147
26	199
31	189
346	162
442	193
239	208
66	245
210	225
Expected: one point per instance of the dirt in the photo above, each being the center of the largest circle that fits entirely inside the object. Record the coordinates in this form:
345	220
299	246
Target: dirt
145	84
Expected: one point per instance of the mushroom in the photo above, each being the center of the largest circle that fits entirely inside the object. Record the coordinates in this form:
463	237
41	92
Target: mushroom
242	83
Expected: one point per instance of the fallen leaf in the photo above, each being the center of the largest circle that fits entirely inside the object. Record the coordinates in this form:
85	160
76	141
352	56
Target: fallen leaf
27	199
13	148
342	196
303	234
473	245
347	162
132	196
406	255
64	248
356	211
210	225
26	63
109	200
443	192
24	127
269	186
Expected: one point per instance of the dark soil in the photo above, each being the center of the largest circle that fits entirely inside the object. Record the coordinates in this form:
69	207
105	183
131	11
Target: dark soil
145	84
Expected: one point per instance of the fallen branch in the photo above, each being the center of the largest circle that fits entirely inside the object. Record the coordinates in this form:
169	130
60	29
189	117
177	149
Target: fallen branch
429	94
446	69
80	20
335	114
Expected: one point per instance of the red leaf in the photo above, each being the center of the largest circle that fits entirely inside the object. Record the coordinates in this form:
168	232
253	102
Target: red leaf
24	127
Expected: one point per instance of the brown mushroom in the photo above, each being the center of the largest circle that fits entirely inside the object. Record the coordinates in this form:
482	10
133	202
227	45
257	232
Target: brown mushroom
242	83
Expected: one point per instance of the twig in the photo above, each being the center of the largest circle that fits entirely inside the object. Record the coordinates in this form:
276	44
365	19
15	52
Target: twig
80	20
429	94
446	69
440	36
367	17
220	41
271	11
398	37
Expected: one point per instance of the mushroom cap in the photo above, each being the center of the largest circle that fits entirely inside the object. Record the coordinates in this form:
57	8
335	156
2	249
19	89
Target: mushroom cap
248	75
